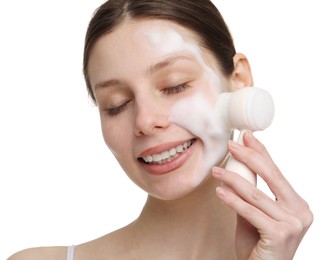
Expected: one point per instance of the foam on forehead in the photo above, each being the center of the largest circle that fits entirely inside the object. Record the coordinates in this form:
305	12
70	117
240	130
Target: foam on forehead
167	41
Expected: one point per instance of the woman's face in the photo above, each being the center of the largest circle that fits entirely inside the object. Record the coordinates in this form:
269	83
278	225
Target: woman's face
156	89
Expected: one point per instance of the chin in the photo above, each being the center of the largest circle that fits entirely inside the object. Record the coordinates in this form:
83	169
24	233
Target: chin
178	189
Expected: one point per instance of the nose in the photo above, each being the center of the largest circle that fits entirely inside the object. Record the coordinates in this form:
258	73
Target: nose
151	117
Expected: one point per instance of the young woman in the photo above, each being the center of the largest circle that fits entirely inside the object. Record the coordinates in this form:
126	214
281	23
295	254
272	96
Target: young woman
155	69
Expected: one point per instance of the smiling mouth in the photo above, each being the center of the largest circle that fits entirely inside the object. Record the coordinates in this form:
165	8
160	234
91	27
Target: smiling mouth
167	156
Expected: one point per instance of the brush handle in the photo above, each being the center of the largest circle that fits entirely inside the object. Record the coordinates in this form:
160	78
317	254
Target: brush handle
239	167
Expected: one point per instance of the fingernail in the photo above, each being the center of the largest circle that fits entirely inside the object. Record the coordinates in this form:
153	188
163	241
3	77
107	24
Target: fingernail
221	191
218	171
233	144
249	134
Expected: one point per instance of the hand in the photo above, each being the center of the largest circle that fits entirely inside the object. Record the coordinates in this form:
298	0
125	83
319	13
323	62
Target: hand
267	229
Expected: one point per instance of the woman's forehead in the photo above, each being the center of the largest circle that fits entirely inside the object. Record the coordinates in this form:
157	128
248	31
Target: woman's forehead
146	40
162	34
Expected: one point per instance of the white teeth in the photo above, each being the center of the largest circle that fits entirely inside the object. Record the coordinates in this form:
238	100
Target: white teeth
179	148
167	155
157	157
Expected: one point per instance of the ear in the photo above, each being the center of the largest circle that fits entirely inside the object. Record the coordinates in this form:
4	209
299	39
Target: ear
242	74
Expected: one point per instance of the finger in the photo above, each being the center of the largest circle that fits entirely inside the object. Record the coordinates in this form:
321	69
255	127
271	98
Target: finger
252	214
255	156
286	196
252	142
249	193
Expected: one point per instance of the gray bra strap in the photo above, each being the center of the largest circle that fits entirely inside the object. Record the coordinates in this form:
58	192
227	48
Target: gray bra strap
70	252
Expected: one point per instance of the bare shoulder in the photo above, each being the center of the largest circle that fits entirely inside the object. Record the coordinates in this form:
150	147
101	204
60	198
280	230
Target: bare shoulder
116	245
41	253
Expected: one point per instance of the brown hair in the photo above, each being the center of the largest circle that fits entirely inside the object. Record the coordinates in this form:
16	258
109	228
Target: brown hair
200	16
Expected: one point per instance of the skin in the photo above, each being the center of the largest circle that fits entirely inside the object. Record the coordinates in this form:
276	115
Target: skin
182	220
138	126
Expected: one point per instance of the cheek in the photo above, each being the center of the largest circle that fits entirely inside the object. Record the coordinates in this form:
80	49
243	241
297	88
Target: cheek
200	118
116	136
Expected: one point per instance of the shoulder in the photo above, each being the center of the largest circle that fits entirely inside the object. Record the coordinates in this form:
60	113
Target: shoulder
116	244
41	253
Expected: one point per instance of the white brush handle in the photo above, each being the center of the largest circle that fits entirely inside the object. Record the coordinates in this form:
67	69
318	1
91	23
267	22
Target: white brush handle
238	167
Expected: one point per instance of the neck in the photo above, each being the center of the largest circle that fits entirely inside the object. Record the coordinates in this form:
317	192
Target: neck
192	224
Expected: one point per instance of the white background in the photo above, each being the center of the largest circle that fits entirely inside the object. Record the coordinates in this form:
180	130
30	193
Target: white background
59	185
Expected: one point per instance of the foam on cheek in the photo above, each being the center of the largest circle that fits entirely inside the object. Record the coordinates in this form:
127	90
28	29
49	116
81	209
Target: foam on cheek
201	118
197	113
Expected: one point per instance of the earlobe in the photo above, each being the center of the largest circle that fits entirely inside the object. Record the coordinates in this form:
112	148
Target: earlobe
242	74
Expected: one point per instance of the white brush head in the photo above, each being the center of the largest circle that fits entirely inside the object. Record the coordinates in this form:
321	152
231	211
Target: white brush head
249	108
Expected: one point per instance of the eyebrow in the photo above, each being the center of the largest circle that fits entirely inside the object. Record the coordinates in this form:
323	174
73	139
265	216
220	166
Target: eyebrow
165	63
151	70
108	83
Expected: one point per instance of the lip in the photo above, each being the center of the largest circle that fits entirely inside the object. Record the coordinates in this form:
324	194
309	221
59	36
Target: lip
160	169
161	148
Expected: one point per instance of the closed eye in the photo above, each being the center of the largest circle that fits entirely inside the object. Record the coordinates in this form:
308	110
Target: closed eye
114	111
176	89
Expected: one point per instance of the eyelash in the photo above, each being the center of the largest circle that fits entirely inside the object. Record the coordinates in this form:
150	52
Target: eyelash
114	111
176	89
